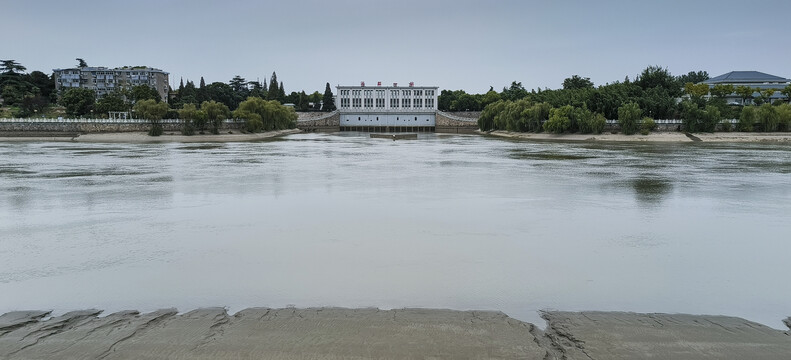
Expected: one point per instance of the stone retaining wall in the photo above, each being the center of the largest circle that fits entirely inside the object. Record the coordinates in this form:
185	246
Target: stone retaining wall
329	123
453	123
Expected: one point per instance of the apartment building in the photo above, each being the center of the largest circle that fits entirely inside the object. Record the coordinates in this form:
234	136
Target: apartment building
104	80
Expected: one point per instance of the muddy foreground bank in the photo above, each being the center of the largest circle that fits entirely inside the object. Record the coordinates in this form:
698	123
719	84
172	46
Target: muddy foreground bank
333	333
656	137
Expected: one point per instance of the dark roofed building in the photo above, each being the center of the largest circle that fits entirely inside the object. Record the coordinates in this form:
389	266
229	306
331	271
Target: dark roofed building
753	79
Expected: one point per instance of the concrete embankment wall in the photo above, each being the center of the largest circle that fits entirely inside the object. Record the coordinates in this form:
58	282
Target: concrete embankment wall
319	122
457	123
34	126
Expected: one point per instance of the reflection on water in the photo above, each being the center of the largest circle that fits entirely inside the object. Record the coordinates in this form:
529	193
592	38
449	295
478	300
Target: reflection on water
651	190
462	222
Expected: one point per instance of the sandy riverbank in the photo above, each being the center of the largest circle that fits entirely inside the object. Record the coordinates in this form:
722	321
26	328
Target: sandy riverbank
784	138
336	333
141	137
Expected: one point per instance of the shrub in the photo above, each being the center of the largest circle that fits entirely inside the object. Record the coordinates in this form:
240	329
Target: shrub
726	126
187	128
747	119
784	117
559	120
628	115
597	123
711	117
648	124
767	117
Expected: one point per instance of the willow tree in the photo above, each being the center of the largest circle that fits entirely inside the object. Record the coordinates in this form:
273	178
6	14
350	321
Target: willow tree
628	117
260	114
215	113
152	111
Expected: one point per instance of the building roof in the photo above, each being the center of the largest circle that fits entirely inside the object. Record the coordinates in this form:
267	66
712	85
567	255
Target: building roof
735	77
123	68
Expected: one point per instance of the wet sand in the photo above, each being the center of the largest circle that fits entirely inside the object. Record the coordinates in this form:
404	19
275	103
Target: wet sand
141	137
653	137
336	333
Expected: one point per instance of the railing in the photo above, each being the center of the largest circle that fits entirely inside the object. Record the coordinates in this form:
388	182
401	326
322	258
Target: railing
97	121
673	121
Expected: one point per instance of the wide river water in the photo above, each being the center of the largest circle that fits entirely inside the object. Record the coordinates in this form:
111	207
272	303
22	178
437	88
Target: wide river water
446	221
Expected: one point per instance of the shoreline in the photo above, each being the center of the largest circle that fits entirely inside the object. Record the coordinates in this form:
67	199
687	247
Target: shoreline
335	333
144	138
658	137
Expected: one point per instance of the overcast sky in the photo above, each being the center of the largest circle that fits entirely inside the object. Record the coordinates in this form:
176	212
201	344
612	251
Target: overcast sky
459	44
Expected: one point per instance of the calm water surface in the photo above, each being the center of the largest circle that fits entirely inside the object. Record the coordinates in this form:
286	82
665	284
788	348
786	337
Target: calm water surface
460	222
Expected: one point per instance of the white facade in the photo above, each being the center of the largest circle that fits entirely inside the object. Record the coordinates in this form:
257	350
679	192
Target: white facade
390	106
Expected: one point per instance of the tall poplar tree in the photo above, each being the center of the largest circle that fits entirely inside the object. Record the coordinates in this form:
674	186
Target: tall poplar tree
273	92
281	96
329	103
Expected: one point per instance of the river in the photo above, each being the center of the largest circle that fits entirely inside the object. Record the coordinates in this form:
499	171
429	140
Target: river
445	221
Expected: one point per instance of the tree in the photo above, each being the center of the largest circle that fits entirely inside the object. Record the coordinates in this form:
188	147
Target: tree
466	102
486	120
446	98
654	76
189	94
693	77
787	92
221	92
747	118
256	89
152	111
657	103
696	91
515	92
239	86
191	118
260	114
768	118
784	116
145	92
647	125
11	67
745	92
628	115
81	63
577	82
711	117
44	83
273	92
281	93
559	120
722	90
302	102
113	101
215	114
315	98
327	99
202	83
490	97
766	95
78	101
30	105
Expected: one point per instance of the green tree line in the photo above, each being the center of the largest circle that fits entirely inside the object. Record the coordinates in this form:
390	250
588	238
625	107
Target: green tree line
579	106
